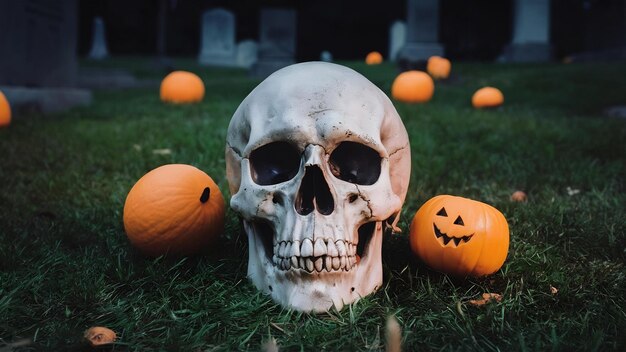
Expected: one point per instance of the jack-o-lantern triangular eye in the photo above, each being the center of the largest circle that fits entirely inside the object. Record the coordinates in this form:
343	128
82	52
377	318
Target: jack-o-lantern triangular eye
442	212
459	221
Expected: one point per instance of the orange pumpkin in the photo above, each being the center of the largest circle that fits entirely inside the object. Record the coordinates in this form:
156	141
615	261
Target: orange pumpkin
438	67
98	336
460	236
5	111
182	87
519	196
487	97
174	209
413	87
374	58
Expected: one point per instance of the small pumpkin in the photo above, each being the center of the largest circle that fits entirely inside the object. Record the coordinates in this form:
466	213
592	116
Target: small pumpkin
174	209
98	336
413	87
460	236
182	87
374	58
5	111
519	196
487	97
438	67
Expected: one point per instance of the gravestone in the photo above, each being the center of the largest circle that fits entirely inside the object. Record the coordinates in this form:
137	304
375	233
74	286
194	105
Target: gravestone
217	45
422	32
99	48
38	54
277	47
397	39
326	56
531	29
247	53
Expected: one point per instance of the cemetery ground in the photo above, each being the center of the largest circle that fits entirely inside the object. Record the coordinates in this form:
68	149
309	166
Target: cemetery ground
66	264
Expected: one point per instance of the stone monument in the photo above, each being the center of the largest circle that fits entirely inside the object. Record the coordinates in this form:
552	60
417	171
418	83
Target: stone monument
38	64
217	45
277	47
99	48
326	56
397	39
247	53
422	33
531	33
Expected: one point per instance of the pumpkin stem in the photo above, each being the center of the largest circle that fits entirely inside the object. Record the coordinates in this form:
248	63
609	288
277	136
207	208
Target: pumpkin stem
205	195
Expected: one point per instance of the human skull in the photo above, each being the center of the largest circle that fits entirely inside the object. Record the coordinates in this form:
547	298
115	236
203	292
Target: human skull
317	161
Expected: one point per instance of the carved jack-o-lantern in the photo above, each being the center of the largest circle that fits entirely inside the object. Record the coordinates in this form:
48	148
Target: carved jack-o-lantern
460	236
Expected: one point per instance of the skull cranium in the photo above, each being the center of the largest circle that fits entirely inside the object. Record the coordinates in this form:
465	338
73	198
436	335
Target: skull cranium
317	160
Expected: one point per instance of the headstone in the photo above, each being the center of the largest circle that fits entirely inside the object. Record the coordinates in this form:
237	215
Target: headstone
531	42
397	39
99	49
326	56
422	32
217	46
38	64
277	47
38	42
247	53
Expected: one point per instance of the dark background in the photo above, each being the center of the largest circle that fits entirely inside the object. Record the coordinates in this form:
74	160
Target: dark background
475	30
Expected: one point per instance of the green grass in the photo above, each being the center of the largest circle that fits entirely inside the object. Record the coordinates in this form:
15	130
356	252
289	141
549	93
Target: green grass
66	265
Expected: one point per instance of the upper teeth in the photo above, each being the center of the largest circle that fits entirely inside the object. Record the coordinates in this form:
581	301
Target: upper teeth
323	254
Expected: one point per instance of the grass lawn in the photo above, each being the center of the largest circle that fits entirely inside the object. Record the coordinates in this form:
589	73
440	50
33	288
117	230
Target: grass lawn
66	264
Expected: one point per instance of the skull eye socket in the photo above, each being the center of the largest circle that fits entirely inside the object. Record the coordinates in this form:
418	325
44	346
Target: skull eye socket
355	163
274	163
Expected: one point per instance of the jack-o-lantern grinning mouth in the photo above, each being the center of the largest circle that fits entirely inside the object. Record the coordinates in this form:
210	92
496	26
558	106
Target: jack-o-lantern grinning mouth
315	257
444	239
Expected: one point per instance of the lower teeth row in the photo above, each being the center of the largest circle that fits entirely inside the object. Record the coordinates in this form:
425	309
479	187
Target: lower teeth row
318	264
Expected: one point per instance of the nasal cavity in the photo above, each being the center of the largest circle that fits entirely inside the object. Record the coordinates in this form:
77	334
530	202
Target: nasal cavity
314	193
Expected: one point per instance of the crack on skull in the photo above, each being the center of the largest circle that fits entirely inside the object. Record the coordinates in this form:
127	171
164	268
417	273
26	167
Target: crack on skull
313	113
367	201
399	149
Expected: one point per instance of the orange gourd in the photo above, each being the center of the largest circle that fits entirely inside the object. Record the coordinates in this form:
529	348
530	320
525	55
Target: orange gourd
182	87
413	87
438	67
174	209
374	58
460	236
98	336
487	97
5	111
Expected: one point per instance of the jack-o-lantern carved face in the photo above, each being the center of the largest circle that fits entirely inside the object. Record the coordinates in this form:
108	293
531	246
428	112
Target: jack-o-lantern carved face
460	236
451	235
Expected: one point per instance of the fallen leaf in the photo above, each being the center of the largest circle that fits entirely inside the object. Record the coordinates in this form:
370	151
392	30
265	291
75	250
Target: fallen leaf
553	290
393	335
270	346
572	191
164	151
487	297
99	335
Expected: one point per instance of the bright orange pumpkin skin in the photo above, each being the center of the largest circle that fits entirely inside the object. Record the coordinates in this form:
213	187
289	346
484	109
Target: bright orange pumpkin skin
168	212
374	58
438	67
413	87
5	111
182	87
477	244
487	97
